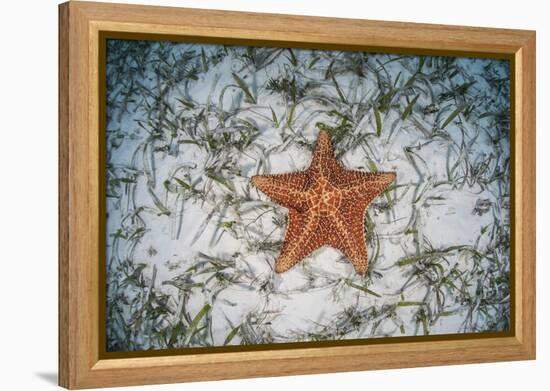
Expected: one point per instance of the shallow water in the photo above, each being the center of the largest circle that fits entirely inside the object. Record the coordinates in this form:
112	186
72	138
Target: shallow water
192	246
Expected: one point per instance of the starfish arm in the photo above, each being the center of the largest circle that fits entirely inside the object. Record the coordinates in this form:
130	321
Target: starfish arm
350	238
324	163
300	239
367	186
352	178
285	189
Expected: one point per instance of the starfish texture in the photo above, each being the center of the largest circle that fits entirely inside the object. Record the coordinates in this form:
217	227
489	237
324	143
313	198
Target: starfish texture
326	206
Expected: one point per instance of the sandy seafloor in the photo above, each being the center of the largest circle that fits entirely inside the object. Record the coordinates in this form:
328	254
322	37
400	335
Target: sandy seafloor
191	245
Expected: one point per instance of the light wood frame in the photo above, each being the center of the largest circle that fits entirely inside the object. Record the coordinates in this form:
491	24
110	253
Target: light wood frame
80	24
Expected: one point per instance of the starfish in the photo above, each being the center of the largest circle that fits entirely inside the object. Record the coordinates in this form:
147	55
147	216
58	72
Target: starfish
326	206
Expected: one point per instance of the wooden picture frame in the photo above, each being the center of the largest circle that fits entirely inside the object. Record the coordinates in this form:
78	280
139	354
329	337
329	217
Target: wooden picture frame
81	25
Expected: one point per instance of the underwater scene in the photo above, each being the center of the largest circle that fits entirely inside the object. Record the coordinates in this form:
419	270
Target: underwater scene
192	243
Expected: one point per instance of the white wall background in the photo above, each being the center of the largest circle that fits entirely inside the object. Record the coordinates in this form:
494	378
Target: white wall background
28	157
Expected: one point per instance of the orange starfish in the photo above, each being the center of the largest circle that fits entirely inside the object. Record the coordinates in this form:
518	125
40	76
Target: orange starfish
326	206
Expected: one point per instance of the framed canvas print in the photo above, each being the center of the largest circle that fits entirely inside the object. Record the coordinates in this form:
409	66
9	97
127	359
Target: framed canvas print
256	195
